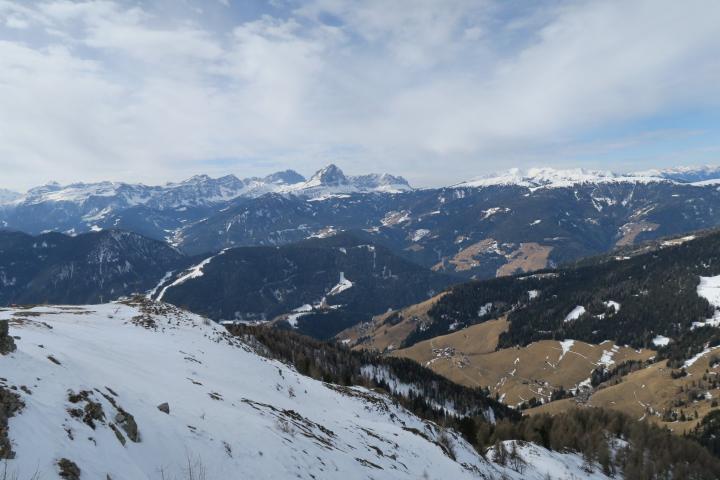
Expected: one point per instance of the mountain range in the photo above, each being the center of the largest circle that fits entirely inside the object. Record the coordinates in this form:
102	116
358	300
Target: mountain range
588	301
473	228
491	227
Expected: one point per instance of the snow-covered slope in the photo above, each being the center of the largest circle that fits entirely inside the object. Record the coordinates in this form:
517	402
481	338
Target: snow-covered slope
690	174
92	379
330	181
546	177
196	191
557	178
204	190
539	464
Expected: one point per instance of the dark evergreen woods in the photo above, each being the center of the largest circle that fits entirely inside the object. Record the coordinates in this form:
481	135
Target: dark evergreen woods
91	268
259	283
612	440
656	291
337	364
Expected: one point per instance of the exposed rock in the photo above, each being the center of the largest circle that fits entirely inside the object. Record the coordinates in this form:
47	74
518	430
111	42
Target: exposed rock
10	404
91	413
68	469
164	407
7	343
127	422
118	434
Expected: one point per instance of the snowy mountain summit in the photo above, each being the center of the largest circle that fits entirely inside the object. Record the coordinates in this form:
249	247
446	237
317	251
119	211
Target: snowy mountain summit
203	190
330	180
557	178
142	390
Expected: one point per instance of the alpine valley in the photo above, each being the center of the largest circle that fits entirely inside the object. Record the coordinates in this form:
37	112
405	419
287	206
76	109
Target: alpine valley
524	325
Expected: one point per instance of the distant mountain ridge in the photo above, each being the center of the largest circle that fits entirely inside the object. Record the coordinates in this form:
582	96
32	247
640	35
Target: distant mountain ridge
495	225
557	178
685	174
203	190
89	268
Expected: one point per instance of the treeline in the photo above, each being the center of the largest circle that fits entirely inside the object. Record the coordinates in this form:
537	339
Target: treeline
433	397
610	439
614	441
707	432
656	291
612	375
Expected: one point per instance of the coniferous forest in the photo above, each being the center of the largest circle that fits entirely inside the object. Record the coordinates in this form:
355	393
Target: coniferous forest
610	439
629	299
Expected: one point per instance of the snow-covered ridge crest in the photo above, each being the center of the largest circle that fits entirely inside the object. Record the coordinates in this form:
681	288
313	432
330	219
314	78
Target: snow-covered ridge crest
140	390
201	190
331	181
546	177
685	174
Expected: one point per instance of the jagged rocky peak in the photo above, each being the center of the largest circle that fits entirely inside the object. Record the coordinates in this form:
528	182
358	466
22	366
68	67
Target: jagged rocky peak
197	179
333	176
227	180
286	177
330	175
381	181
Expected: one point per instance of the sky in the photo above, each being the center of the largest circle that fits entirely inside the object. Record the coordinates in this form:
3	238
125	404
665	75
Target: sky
435	90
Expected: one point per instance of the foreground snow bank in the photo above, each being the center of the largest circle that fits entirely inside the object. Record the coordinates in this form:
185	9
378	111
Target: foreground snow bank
92	379
538	463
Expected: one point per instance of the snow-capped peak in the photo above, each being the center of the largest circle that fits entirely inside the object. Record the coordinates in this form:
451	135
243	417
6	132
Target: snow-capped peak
286	177
381	182
196	179
689	174
203	190
331	180
546	177
329	176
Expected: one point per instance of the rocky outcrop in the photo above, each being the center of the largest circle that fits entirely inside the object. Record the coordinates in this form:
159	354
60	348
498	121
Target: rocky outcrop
10	404
7	343
68	469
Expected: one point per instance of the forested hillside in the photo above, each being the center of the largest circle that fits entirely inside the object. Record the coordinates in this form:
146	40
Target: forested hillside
618	444
89	268
318	286
636	300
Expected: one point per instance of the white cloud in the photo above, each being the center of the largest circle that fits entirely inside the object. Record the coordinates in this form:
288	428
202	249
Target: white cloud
106	90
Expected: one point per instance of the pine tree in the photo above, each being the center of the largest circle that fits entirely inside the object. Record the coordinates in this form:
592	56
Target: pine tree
500	454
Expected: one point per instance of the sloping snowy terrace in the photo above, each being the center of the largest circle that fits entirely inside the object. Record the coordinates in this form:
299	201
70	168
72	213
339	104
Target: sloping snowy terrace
236	413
